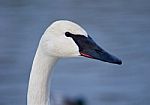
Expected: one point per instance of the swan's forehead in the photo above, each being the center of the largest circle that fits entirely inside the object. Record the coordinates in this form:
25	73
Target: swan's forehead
68	26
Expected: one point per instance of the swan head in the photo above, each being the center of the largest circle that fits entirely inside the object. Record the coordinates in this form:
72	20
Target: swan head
67	39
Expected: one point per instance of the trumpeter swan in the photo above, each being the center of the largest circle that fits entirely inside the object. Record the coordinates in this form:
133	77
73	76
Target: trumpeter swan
61	39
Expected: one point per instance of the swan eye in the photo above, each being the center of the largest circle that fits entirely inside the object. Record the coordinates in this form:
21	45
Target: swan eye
68	34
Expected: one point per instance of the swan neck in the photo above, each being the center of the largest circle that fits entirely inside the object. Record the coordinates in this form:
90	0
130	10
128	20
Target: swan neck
39	88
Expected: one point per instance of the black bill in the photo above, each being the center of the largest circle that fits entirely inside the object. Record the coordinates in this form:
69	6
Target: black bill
88	48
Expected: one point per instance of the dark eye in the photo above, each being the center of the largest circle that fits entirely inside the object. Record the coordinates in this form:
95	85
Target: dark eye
68	34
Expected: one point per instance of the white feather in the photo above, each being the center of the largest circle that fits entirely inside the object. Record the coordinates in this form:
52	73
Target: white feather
53	45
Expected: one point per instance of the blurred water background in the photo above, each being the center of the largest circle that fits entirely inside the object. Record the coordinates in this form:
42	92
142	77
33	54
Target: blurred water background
122	27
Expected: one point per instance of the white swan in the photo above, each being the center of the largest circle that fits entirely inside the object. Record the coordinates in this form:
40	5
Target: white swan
61	39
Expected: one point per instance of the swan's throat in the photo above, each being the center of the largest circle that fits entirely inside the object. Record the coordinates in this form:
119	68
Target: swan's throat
38	89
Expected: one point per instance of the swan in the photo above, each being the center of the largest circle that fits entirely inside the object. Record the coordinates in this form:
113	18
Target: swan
62	38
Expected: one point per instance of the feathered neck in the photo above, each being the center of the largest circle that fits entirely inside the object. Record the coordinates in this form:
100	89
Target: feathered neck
38	89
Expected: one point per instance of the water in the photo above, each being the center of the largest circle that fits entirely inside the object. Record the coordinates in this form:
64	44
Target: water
119	26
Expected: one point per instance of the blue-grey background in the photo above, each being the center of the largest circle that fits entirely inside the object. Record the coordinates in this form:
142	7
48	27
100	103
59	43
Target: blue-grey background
122	27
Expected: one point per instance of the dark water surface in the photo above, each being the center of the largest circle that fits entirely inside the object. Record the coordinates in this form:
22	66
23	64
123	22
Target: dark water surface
122	27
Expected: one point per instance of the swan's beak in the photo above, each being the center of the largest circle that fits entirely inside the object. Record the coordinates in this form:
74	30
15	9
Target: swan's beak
88	48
